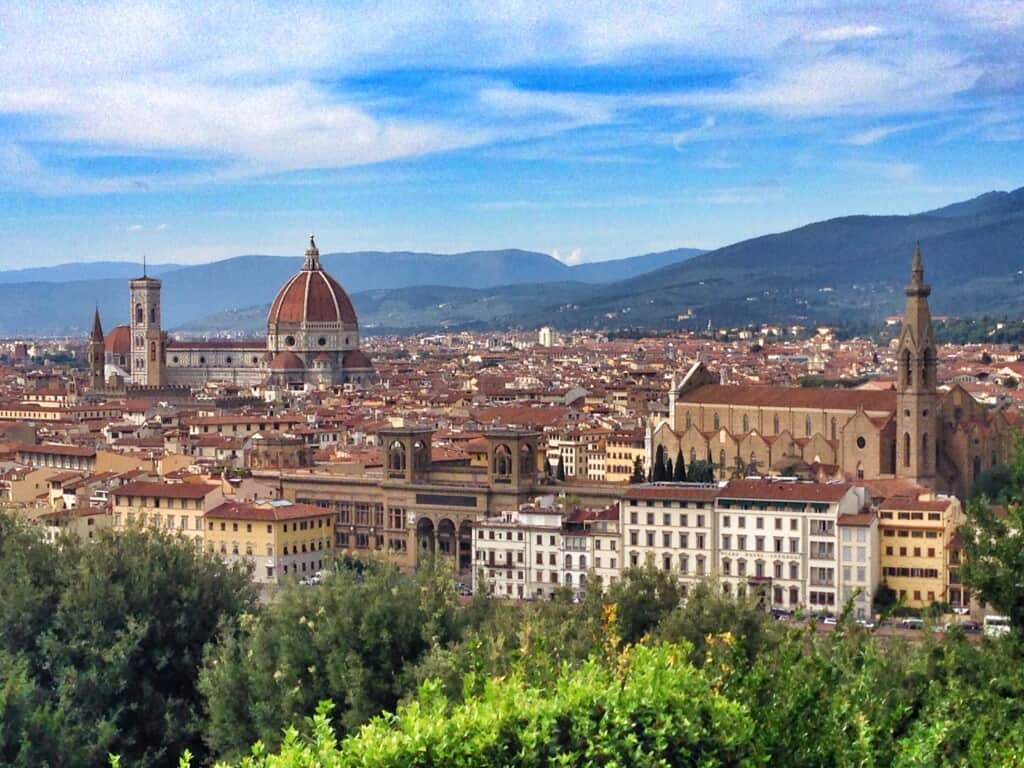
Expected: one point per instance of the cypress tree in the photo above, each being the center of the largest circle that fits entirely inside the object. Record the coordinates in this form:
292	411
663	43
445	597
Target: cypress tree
680	472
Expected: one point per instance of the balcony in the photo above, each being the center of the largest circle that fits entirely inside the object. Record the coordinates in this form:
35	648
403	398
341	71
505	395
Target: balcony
818	581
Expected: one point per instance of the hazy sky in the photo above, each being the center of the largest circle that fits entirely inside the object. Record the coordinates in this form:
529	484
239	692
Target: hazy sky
192	131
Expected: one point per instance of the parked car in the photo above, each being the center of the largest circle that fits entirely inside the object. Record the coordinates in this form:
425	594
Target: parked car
911	623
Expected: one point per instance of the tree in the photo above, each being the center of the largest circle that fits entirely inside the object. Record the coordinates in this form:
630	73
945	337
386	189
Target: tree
680	472
547	467
638	471
354	639
669	470
103	652
642	598
560	472
659	464
650	708
993	545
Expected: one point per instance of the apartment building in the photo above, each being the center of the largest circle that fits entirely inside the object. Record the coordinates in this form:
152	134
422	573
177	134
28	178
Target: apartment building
278	538
173	507
670	526
916	545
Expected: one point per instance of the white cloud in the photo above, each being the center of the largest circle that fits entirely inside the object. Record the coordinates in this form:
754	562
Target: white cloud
700	133
134	228
843	33
573	257
161	227
874	135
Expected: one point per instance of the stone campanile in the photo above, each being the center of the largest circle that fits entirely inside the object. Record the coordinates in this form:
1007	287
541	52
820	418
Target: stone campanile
916	385
147	354
96	353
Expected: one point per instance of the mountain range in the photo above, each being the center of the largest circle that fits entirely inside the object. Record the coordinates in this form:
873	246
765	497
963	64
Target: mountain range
845	269
59	300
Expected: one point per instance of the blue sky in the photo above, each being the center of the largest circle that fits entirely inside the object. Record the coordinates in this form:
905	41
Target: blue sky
191	132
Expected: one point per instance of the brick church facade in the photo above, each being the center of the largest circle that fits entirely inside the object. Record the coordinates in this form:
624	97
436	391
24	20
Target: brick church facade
936	440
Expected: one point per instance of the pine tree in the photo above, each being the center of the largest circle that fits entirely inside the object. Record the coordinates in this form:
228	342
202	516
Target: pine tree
669	472
547	467
680	472
560	472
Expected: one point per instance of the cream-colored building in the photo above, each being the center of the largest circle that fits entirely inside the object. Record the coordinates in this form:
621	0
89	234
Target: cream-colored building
173	507
916	538
280	539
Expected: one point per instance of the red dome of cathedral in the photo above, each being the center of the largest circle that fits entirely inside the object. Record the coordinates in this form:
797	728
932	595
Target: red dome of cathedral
287	361
312	296
118	341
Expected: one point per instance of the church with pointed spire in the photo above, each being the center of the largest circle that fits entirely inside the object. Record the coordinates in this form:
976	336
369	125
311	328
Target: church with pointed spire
312	342
918	435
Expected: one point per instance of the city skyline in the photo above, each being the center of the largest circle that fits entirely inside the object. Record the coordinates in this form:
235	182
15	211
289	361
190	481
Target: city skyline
585	132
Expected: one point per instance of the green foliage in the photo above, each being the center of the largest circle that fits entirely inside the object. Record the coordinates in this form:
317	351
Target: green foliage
100	644
659	464
638	471
353	640
651	709
994	483
560	472
643	598
993	551
679	475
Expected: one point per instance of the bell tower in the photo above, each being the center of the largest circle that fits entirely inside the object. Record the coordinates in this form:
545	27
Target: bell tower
916	386
96	354
147	355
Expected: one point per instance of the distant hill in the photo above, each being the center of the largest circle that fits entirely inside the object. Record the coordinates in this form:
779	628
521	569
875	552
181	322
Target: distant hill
850	268
87	270
194	292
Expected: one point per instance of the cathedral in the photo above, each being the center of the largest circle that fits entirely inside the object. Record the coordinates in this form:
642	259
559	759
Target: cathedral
312	341
936	440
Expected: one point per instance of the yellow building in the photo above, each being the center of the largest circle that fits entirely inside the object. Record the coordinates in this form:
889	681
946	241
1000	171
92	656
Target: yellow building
279	538
916	535
173	507
622	449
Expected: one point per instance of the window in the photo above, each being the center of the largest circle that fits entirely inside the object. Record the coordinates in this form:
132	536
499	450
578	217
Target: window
807	426
715	421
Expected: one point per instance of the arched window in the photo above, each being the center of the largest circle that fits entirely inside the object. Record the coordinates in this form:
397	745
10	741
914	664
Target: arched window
753	462
928	369
396	456
908	374
924	450
775	424
526	460
568	578
568	562
583	563
833	427
715	421
807	426
721	458
152	315
906	449
688	420
152	351
419	455
693	455
138	314
502	461
746	423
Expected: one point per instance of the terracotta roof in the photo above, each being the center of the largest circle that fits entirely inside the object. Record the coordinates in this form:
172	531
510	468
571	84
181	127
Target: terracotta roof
118	341
911	504
791	397
167	490
57	450
861	519
784	491
312	296
679	492
232	510
287	361
356	358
